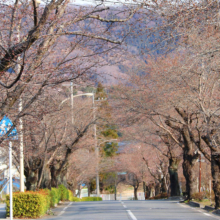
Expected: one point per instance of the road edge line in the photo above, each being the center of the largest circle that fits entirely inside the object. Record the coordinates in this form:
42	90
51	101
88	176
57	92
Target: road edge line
131	215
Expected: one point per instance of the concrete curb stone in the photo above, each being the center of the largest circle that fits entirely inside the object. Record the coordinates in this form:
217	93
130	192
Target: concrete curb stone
217	211
195	204
209	208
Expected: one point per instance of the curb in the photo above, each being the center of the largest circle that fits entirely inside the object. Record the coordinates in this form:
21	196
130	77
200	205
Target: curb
217	212
195	204
209	208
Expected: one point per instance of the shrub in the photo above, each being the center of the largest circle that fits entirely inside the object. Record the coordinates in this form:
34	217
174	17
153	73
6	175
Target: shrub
29	204
207	195
159	196
47	194
70	195
198	196
75	199
89	199
64	192
55	196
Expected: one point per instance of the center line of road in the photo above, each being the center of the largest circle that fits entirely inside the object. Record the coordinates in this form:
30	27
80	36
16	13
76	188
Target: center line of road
131	215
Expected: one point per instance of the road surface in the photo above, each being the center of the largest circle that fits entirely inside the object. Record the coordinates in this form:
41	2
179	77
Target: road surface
131	210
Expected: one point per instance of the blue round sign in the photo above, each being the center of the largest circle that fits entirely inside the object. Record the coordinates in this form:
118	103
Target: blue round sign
5	125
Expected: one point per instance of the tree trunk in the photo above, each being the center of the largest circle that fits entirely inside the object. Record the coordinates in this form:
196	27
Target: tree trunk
58	176
163	185
31	180
152	191
188	164
157	188
31	172
115	192
46	178
135	192
79	190
144	189
189	160
215	167
174	181
88	189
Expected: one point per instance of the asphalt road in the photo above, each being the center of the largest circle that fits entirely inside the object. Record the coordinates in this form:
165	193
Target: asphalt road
131	210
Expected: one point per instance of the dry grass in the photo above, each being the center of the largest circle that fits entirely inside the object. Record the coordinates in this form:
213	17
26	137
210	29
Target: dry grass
207	202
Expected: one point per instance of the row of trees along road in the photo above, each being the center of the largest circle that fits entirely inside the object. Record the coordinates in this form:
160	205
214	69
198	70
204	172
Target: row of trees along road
176	96
173	95
41	47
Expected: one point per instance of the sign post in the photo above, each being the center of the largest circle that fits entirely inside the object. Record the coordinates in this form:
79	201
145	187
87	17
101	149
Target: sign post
10	177
5	125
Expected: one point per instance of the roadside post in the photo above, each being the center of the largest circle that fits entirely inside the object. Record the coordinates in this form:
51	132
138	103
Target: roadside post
5	125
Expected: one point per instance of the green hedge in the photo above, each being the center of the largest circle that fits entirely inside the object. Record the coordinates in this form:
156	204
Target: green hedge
71	197
29	204
89	199
64	193
75	199
55	196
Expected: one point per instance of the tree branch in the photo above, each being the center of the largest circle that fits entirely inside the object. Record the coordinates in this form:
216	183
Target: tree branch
35	12
90	36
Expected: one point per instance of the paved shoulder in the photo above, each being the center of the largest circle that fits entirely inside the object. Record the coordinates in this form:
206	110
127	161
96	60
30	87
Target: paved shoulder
2	211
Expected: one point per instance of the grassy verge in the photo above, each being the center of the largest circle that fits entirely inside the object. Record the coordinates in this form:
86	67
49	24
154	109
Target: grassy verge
205	202
86	199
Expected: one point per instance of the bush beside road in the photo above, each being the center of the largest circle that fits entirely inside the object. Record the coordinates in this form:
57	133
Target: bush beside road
32	204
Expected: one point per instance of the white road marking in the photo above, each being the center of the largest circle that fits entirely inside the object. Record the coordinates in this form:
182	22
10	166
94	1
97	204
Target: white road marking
201	211
65	208
61	212
125	206
131	214
206	214
182	205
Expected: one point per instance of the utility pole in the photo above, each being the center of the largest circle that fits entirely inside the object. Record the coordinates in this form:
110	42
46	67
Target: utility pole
96	148
71	90
21	149
200	171
10	183
20	108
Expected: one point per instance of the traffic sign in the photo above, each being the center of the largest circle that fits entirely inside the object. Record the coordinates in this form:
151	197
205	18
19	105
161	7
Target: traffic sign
5	125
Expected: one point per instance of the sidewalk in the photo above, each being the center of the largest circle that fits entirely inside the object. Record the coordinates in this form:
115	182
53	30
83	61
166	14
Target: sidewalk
2	211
